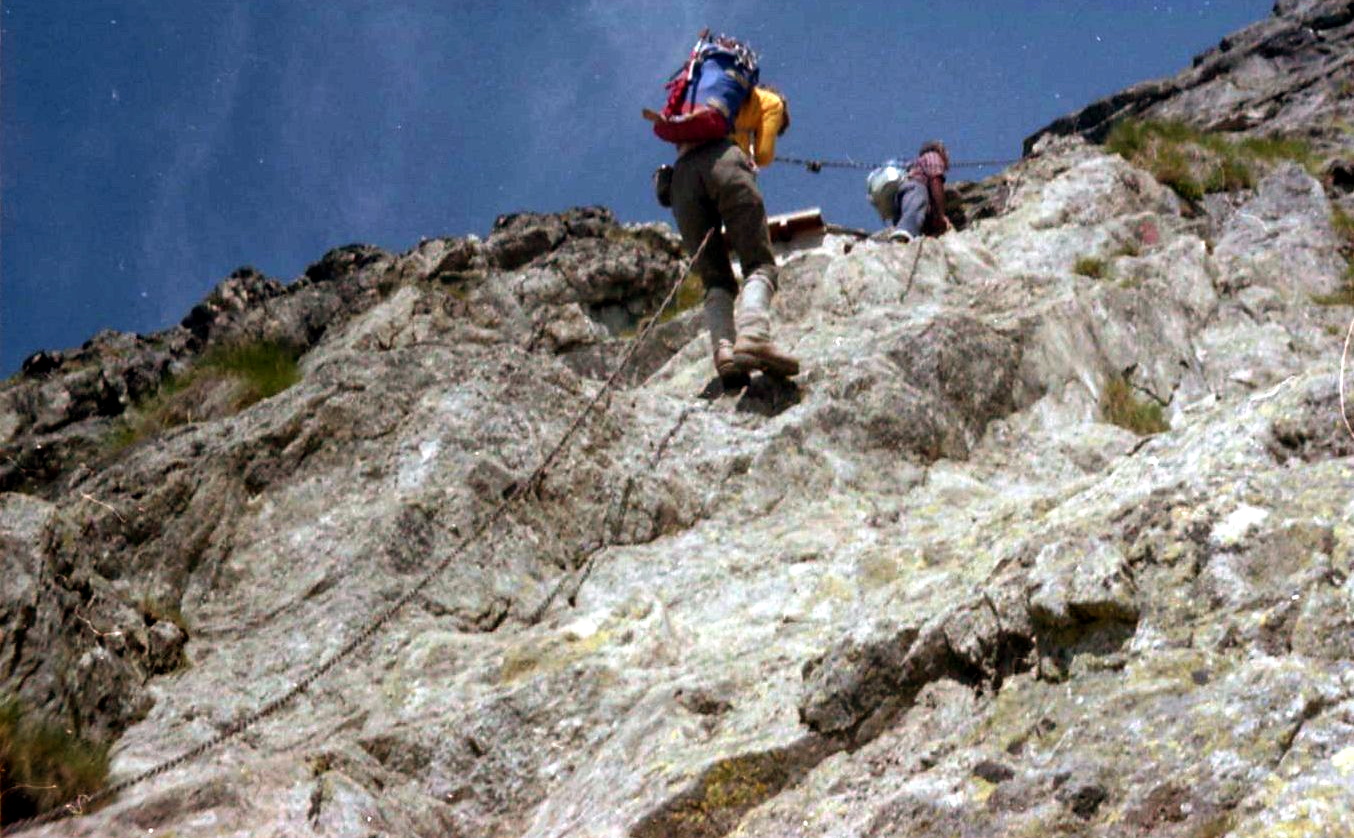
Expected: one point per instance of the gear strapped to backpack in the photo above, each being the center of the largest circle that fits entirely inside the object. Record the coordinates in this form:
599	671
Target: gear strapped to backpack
704	96
882	185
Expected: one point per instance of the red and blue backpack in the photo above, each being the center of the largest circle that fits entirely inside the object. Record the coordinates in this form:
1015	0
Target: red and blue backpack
704	96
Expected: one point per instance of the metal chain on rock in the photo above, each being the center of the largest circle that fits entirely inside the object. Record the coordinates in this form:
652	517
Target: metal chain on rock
81	804
912	275
1344	414
819	165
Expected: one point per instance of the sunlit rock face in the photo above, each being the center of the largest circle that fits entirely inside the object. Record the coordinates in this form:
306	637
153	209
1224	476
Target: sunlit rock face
926	589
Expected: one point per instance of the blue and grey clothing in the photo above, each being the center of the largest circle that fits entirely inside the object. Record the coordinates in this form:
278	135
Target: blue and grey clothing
919	206
910	206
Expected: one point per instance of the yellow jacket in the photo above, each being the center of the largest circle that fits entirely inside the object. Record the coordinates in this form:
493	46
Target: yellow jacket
759	121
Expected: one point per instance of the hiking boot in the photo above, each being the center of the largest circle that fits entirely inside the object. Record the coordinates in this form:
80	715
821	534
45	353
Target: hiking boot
725	364
719	320
753	350
733	376
900	235
752	353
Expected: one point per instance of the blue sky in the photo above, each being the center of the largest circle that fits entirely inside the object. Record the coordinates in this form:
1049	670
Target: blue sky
149	147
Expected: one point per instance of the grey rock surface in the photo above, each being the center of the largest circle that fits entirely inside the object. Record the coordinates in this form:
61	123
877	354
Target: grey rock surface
924	589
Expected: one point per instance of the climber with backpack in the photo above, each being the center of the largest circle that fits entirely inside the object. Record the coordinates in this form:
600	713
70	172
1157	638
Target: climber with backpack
911	196
724	126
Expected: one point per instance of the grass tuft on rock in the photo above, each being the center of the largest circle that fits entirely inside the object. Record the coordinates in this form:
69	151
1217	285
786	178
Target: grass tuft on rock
726	792
1090	266
42	765
1274	149
1229	175
1120	406
1343	223
1173	167
1344	296
265	369
1195	163
690	294
1130	247
225	380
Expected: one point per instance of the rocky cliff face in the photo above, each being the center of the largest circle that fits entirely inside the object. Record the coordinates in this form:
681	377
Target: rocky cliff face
927	589
1292	73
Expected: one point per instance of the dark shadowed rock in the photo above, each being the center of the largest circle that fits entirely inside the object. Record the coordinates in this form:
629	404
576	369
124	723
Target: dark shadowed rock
235	295
517	239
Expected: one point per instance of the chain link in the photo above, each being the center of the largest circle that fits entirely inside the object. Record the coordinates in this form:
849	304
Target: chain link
819	165
1344	353
912	275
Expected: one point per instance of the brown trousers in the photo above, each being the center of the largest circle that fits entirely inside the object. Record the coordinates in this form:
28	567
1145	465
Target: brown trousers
714	186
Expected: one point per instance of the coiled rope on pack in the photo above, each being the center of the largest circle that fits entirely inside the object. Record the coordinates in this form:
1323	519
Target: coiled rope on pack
818	165
81	804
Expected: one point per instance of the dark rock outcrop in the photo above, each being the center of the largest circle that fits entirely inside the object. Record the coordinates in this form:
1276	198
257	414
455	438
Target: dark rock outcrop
587	280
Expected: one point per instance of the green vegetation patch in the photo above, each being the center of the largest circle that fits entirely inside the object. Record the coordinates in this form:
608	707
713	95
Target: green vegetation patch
1175	167
1275	149
726	792
1342	297
690	294
1229	175
1343	223
225	379
42	765
265	369
1090	266
1120	406
1130	247
1195	163
1133	137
